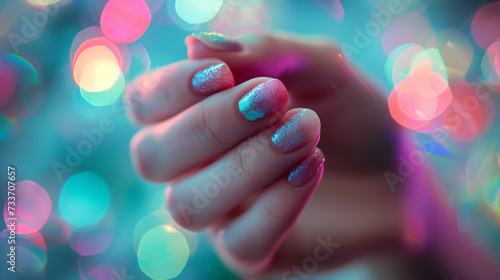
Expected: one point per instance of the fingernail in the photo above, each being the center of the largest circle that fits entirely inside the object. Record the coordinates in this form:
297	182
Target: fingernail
297	131
218	41
212	79
303	172
263	100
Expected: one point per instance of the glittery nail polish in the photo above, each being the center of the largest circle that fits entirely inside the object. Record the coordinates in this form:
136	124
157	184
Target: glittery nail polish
212	79
218	41
297	131
303	172
263	100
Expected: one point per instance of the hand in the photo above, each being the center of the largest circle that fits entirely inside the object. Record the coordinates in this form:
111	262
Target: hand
229	175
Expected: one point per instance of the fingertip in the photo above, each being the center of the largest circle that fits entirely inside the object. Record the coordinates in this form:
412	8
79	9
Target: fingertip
137	96
197	50
207	44
213	78
299	130
139	155
307	169
183	214
144	156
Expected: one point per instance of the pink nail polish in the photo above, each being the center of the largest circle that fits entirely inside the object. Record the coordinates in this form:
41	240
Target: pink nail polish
303	172
263	100
218	41
297	131
212	79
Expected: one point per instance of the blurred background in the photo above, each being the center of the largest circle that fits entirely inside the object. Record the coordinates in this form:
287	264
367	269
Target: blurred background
82	211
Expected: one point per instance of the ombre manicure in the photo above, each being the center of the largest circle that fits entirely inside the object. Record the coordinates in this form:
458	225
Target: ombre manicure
263	100
303	172
212	79
299	130
218	41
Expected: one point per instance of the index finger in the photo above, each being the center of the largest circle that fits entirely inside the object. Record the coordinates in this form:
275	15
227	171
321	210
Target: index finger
157	96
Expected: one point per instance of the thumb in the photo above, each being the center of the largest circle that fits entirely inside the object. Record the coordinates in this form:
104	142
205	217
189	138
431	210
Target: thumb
295	61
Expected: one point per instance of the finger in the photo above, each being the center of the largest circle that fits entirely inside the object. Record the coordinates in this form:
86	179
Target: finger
159	95
318	76
252	238
164	151
291	59
209	194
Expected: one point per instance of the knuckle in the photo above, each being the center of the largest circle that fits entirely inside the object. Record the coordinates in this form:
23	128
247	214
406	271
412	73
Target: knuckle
246	252
184	214
140	147
275	211
244	157
136	99
204	132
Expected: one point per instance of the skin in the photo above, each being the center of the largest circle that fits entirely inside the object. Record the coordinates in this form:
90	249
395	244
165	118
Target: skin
261	225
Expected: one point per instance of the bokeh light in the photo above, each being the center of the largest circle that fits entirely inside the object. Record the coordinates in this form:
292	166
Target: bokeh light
30	253
84	199
21	95
116	262
105	271
162	218
421	90
248	17
424	102
405	29
108	96
163	253
124	21
456	51
81	37
490	66
398	63
32	207
484	25
197	11
93	239
97	70
155	5
8	82
101	42
333	7
399	116
463	118
431	61
41	3
9	127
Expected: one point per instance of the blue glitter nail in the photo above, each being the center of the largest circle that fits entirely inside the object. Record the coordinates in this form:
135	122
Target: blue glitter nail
218	41
214	78
263	100
296	132
303	172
